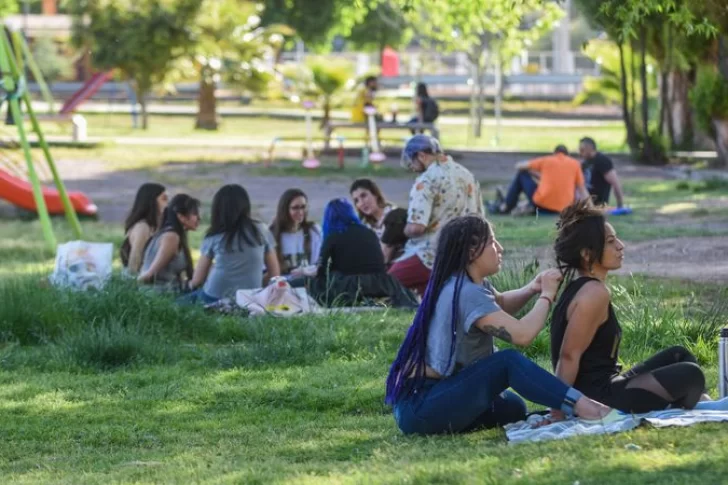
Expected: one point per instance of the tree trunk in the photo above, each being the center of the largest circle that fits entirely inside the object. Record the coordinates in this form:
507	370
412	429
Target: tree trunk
498	100
207	104
679	115
628	120
633	87
647	152
327	112
473	98
480	70
664	99
142	99
721	142
723	56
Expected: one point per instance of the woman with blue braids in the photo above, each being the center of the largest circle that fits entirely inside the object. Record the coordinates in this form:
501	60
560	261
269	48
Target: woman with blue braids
448	376
351	267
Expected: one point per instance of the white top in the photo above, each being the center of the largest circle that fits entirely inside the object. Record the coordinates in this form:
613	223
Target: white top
378	228
292	248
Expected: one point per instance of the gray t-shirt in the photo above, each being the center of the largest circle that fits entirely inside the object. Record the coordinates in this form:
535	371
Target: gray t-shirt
169	277
240	268
471	343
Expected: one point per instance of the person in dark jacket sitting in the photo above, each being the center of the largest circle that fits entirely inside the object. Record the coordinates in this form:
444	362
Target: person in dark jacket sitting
351	266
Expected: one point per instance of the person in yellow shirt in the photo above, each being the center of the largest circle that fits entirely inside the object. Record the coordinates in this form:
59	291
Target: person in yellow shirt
550	183
364	98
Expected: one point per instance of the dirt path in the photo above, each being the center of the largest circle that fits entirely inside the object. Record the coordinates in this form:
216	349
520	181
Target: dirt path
703	259
699	259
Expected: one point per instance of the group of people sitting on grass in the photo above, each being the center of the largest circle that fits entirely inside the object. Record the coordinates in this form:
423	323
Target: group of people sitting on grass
370	249
449	377
344	261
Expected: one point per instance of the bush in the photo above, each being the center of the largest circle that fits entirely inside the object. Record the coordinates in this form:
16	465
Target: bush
709	97
52	64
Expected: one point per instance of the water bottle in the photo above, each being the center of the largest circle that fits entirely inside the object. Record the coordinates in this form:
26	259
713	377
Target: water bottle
723	363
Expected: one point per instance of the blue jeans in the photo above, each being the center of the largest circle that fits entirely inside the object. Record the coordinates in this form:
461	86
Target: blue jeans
522	184
197	296
475	397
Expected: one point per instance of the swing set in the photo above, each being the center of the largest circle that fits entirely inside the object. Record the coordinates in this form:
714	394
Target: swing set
30	194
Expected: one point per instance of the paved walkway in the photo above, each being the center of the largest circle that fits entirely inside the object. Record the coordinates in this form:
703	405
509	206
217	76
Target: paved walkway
297	113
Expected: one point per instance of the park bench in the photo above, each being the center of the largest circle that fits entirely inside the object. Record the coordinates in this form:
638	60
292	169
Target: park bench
382	125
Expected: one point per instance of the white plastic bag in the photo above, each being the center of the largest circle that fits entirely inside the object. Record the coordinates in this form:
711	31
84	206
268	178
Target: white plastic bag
278	298
82	265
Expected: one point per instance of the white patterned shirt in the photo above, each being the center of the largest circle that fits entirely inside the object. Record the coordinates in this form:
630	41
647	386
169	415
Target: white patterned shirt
442	192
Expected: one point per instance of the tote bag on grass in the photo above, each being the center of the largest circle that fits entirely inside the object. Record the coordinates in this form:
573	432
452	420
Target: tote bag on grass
82	265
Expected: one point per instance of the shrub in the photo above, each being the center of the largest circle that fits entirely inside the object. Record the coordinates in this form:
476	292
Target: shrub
709	97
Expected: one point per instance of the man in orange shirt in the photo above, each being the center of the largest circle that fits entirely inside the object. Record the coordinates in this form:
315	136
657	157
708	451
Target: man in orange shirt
550	183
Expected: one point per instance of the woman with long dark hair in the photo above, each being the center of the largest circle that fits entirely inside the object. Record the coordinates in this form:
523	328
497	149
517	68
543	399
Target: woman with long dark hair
427	108
448	376
240	247
585	332
371	206
351	269
298	241
167	258
141	223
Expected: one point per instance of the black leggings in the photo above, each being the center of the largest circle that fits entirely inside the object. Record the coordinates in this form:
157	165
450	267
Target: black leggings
671	378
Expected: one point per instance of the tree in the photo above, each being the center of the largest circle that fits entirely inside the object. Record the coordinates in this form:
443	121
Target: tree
51	63
139	38
710	97
229	46
384	25
320	78
330	78
488	31
8	7
674	32
316	22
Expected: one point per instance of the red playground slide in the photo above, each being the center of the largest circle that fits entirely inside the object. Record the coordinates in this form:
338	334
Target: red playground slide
20	193
86	91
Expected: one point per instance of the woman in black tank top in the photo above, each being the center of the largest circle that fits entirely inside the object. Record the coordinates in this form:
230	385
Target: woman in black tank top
585	332
599	362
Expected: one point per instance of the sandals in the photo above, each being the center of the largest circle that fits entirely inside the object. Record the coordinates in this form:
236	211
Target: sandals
612	417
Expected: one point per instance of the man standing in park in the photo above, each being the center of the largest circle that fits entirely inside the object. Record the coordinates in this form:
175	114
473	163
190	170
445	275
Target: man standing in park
550	183
364	98
599	173
442	191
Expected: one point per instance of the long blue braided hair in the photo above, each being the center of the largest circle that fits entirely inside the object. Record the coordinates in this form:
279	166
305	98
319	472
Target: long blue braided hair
461	241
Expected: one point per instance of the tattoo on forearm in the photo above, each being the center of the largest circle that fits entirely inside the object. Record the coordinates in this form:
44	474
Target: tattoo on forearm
499	332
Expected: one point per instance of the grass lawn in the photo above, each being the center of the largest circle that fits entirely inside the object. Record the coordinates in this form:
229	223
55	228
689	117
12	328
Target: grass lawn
126	387
609	135
661	209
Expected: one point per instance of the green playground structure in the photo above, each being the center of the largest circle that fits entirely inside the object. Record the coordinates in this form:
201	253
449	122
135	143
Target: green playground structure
13	56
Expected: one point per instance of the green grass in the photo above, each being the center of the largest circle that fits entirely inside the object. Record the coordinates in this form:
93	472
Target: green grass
610	135
122	386
661	209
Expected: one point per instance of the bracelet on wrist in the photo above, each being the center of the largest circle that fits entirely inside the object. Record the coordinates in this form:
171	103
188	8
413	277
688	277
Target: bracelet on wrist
548	299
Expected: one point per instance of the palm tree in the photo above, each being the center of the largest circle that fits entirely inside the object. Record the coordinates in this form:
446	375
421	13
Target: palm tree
329	78
233	48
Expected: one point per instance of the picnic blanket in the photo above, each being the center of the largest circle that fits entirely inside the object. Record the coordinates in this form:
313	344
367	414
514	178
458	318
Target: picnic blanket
523	431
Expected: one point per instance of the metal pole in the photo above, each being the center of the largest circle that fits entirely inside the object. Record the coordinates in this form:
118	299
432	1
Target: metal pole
37	74
10	74
71	215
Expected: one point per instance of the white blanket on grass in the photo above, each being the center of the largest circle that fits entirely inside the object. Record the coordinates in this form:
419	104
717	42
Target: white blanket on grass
523	431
